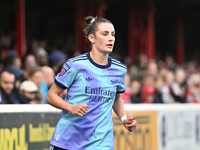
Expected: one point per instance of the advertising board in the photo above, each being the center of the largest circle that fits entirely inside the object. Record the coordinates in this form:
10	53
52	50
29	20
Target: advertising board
179	130
143	138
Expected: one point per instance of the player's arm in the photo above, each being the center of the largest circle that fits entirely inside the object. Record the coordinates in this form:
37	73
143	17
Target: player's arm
118	107
53	98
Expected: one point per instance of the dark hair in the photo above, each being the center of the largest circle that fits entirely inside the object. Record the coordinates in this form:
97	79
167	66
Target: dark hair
92	24
10	59
6	70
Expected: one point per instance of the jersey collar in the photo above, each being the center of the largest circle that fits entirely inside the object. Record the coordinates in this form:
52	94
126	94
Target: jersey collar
97	65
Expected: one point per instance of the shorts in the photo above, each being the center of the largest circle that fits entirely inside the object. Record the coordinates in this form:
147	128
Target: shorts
55	148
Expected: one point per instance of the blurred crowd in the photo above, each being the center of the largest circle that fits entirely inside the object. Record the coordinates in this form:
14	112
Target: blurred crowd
27	80
162	81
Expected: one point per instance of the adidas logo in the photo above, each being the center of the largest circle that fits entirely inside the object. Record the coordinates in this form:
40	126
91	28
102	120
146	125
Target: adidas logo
113	82
88	79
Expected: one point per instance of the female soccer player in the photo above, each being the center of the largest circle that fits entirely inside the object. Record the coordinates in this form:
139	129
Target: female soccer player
94	82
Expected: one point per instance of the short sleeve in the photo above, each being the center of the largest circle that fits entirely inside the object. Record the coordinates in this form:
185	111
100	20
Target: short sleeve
121	87
66	76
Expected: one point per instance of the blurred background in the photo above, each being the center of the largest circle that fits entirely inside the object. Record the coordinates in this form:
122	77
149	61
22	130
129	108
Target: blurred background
158	41
156	27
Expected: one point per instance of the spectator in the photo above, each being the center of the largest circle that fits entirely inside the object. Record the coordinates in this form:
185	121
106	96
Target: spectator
33	46
170	64
126	96
42	57
13	60
7	80
148	90
193	93
159	83
36	75
147	94
29	62
180	75
27	92
152	68
135	91
178	87
19	77
148	80
166	90
57	59
142	62
162	72
48	75
191	68
133	72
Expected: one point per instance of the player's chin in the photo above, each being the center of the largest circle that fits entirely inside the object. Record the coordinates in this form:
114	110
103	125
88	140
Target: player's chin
109	50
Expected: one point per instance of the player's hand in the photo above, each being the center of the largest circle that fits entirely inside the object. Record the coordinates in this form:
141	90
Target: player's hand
79	109
130	124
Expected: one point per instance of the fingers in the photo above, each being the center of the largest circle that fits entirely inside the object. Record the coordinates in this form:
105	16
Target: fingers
84	108
80	109
129	120
132	128
131	125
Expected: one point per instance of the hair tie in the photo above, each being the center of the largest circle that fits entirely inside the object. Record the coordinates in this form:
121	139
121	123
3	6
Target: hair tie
92	20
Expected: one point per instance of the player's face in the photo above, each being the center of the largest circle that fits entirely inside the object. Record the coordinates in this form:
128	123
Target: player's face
105	38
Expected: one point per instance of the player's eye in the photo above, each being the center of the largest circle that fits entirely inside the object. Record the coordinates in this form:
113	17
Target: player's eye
105	34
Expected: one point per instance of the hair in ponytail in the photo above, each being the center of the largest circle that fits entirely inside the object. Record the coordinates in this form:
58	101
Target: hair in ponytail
92	24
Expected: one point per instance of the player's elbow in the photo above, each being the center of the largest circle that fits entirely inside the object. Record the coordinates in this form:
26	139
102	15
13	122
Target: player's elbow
48	98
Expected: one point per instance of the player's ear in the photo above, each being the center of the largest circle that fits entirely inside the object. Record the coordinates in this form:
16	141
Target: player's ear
91	38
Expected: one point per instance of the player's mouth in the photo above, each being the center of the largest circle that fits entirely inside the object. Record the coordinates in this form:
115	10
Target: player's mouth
109	45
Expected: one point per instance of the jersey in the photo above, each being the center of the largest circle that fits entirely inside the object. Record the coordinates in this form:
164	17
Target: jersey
95	85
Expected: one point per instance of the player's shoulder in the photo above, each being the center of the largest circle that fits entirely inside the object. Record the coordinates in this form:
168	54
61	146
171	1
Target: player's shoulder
117	63
79	58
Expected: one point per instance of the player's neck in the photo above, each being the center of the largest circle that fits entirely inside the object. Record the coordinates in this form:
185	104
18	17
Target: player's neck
99	58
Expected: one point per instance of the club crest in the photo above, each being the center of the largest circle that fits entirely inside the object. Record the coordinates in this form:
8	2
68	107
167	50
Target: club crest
64	69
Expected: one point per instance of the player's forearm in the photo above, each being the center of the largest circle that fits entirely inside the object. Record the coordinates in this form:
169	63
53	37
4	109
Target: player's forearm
58	102
118	107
